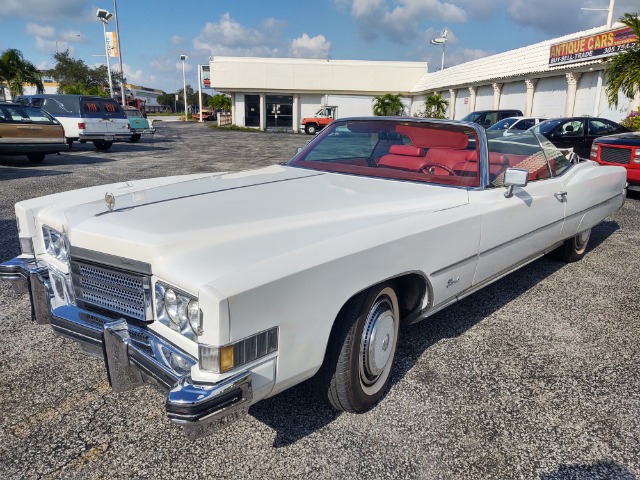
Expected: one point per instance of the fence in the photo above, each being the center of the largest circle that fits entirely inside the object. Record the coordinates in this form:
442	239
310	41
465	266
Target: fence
224	119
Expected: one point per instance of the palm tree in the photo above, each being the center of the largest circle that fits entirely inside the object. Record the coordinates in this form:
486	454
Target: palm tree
434	106
16	71
623	70
387	105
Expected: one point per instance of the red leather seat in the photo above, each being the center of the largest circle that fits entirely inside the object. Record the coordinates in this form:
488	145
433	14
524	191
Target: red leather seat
405	157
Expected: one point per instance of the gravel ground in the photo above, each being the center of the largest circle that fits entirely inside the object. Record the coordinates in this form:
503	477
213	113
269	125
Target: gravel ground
535	377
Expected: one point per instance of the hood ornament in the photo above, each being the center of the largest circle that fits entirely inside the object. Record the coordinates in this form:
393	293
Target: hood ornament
110	200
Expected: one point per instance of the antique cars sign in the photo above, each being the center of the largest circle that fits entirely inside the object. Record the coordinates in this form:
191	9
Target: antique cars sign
264	279
592	47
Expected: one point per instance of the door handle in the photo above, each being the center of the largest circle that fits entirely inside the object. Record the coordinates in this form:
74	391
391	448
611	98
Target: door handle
561	196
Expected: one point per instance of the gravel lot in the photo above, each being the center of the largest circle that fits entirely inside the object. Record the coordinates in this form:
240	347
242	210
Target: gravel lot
535	377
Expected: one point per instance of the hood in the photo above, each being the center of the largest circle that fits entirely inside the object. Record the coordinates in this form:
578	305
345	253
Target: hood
207	227
627	138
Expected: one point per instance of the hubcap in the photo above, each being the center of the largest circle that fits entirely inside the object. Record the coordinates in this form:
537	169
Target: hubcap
582	239
378	339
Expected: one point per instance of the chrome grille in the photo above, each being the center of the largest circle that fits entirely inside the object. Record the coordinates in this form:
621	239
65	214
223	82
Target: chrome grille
116	291
615	155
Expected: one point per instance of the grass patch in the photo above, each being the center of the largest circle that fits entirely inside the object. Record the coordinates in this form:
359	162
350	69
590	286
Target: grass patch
234	127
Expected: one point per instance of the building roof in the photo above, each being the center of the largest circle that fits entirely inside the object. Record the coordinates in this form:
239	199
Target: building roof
528	61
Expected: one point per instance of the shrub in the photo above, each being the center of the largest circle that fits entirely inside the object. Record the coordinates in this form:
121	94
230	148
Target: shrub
632	122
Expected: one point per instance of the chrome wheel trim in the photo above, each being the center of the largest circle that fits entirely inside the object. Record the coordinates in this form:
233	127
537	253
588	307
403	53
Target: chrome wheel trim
378	344
582	239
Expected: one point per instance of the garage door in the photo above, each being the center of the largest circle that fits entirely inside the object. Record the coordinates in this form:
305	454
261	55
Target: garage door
615	113
549	97
447	97
514	96
586	94
484	98
462	103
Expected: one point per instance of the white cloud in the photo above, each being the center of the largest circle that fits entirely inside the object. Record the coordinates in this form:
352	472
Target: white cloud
307	47
399	20
40	30
177	40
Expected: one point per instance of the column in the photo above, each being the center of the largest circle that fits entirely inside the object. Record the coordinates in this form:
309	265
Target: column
263	112
452	103
531	88
472	98
233	109
296	113
497	88
572	86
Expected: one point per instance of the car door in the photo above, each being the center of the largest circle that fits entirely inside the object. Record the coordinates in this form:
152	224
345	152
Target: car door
570	134
115	119
92	116
518	229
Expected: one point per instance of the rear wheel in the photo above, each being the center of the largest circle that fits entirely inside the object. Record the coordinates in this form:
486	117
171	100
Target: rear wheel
102	144
311	129
574	248
69	142
36	157
357	367
135	137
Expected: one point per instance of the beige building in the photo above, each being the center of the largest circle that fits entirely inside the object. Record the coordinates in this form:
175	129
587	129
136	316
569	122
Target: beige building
278	92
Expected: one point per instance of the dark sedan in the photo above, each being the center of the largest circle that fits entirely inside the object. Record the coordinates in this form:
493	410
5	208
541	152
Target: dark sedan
622	149
577	132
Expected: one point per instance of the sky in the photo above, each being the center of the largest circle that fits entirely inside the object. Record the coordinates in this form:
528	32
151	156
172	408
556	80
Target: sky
154	33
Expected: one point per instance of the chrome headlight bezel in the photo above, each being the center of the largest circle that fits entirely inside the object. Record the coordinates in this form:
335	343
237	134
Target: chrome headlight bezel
56	244
177	310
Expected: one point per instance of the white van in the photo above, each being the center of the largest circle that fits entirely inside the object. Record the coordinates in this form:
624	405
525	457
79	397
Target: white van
100	120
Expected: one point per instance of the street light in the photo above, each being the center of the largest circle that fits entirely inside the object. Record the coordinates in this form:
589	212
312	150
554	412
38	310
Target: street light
65	38
104	17
610	10
184	86
441	41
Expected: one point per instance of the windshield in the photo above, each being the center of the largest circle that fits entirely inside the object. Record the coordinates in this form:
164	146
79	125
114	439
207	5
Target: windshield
133	113
472	117
401	150
546	126
504	124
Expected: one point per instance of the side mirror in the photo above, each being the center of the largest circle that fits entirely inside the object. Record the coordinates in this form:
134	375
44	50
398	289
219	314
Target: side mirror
515	177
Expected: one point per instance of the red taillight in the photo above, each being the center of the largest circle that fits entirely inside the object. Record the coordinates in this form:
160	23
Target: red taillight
81	126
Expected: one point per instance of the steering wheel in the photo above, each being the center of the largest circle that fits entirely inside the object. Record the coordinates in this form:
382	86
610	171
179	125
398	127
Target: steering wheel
430	168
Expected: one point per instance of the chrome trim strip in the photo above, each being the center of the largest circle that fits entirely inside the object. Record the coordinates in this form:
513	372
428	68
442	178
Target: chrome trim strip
513	240
454	265
121	263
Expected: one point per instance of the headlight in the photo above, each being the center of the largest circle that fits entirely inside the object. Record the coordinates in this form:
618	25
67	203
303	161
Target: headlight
178	311
56	243
222	359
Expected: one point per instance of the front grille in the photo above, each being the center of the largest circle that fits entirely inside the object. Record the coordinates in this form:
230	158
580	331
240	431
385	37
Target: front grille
615	155
112	291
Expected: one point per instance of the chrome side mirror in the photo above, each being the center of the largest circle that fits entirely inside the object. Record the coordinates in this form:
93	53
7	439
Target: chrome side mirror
515	177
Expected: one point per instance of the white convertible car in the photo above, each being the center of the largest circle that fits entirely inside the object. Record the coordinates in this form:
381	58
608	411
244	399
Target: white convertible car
225	289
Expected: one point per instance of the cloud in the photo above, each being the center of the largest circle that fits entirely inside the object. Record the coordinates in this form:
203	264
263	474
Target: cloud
177	40
43	10
307	47
399	20
40	30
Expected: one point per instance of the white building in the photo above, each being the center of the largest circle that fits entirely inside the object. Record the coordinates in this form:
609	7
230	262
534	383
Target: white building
557	77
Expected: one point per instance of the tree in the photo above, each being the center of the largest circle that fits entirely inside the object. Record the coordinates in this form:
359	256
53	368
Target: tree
75	76
389	104
434	106
623	70
16	71
220	102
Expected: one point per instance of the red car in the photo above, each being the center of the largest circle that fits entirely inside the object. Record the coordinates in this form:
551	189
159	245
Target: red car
621	149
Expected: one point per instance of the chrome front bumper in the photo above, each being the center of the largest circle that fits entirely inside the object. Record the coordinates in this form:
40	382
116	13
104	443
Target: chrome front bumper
133	355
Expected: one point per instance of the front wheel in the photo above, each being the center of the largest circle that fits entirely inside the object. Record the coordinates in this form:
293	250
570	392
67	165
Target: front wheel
310	129
574	248
357	367
102	144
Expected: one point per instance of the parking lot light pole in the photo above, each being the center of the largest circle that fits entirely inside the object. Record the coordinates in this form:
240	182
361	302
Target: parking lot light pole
184	86
104	17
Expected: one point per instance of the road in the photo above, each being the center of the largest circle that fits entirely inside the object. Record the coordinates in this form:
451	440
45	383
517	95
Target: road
536	376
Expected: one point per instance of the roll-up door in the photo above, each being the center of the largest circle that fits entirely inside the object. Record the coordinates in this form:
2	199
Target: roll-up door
586	94
613	112
514	96
484	98
550	97
462	103
445	95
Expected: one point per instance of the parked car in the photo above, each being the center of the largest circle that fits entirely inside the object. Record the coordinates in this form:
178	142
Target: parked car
225	289
29	131
514	124
138	123
85	118
621	149
577	133
486	118
207	115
